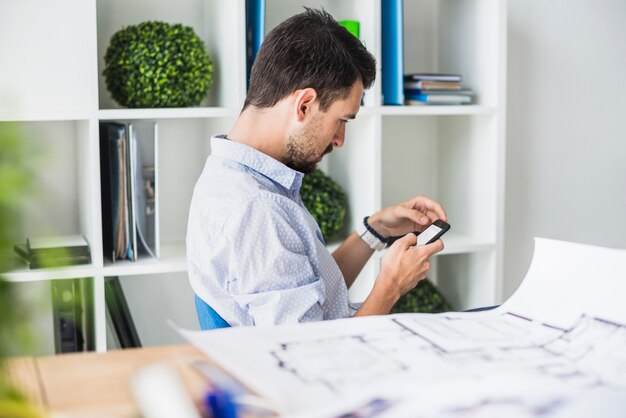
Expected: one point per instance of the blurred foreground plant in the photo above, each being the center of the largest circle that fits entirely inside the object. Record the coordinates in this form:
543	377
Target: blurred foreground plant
16	184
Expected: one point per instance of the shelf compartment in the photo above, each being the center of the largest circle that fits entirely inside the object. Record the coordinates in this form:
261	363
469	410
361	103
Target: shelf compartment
171	298
172	260
34	300
219	23
22	275
19	115
47	72
451	159
62	199
180	113
35	305
433	110
459	38
465	279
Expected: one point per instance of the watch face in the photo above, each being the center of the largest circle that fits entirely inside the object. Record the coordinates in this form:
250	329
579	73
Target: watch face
379	245
373	242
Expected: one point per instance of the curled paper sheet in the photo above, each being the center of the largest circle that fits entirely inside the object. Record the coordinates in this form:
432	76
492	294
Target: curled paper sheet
556	348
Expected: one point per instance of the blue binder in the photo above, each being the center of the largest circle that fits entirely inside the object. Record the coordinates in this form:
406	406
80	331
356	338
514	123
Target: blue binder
255	31
392	52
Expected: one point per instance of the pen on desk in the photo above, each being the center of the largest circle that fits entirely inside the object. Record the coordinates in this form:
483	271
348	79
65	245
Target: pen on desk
219	378
220	404
229	388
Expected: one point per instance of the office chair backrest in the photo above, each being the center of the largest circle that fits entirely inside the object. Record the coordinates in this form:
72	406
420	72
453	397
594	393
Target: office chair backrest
208	318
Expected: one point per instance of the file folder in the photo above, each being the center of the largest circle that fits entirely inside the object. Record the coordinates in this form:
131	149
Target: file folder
392	52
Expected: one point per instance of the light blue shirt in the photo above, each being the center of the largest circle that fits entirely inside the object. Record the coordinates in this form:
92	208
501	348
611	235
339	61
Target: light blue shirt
254	252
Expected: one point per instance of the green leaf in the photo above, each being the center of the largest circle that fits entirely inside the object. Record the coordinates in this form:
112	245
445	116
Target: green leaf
424	298
325	201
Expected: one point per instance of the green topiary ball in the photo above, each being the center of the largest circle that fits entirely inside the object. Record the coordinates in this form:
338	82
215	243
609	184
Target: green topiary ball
155	64
326	201
424	298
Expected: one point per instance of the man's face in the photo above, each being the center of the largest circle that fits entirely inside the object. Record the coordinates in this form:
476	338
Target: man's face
322	132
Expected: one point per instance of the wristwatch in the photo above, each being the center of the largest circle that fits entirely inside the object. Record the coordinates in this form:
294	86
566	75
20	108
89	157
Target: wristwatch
373	239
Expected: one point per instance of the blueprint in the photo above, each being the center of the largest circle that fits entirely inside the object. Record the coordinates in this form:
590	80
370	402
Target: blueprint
559	355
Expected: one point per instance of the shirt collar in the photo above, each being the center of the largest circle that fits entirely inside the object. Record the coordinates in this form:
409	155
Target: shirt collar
256	160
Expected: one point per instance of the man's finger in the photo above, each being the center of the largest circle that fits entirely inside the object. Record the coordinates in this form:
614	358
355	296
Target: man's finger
414	215
406	241
430	207
435	247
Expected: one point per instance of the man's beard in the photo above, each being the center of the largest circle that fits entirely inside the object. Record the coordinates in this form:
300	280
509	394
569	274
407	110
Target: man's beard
300	158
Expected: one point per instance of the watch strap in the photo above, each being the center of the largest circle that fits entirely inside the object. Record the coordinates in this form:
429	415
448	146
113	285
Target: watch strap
373	239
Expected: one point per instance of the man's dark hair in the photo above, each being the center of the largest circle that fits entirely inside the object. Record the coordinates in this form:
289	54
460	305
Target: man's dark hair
309	49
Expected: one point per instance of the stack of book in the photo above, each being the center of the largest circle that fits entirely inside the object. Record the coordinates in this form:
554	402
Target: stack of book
45	252
427	88
128	164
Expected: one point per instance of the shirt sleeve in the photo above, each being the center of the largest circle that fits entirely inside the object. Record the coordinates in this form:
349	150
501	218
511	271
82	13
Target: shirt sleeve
273	270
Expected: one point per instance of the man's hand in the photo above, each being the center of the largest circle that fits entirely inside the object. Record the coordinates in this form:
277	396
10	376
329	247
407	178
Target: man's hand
413	215
405	264
402	267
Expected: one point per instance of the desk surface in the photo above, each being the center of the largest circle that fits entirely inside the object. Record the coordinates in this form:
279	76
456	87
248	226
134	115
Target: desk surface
98	384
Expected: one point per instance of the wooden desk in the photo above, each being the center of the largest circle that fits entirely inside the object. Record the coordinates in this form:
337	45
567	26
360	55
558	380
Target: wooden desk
98	385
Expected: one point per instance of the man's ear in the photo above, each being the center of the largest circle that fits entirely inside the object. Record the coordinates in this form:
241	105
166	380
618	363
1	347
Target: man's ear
305	101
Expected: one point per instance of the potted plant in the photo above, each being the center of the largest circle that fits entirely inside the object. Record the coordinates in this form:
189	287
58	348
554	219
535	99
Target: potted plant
155	64
326	201
424	298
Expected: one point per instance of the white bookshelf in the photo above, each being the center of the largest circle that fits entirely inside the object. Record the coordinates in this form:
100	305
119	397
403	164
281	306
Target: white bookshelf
455	154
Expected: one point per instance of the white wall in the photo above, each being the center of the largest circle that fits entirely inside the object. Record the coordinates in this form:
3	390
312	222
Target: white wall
566	127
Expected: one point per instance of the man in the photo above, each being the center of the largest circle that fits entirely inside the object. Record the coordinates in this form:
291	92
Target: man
254	252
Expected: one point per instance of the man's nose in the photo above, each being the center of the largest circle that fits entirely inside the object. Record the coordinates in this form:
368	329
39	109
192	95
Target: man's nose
340	136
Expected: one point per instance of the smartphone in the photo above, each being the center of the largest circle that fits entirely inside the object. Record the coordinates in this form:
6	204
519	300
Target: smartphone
433	232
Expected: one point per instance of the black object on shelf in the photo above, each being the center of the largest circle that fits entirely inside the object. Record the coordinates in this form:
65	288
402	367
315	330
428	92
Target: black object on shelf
120	314
71	316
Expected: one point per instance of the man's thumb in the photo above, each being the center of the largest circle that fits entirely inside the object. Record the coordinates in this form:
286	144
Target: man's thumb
407	241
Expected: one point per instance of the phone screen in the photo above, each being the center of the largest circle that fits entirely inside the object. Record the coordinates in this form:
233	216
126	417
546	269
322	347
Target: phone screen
427	234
